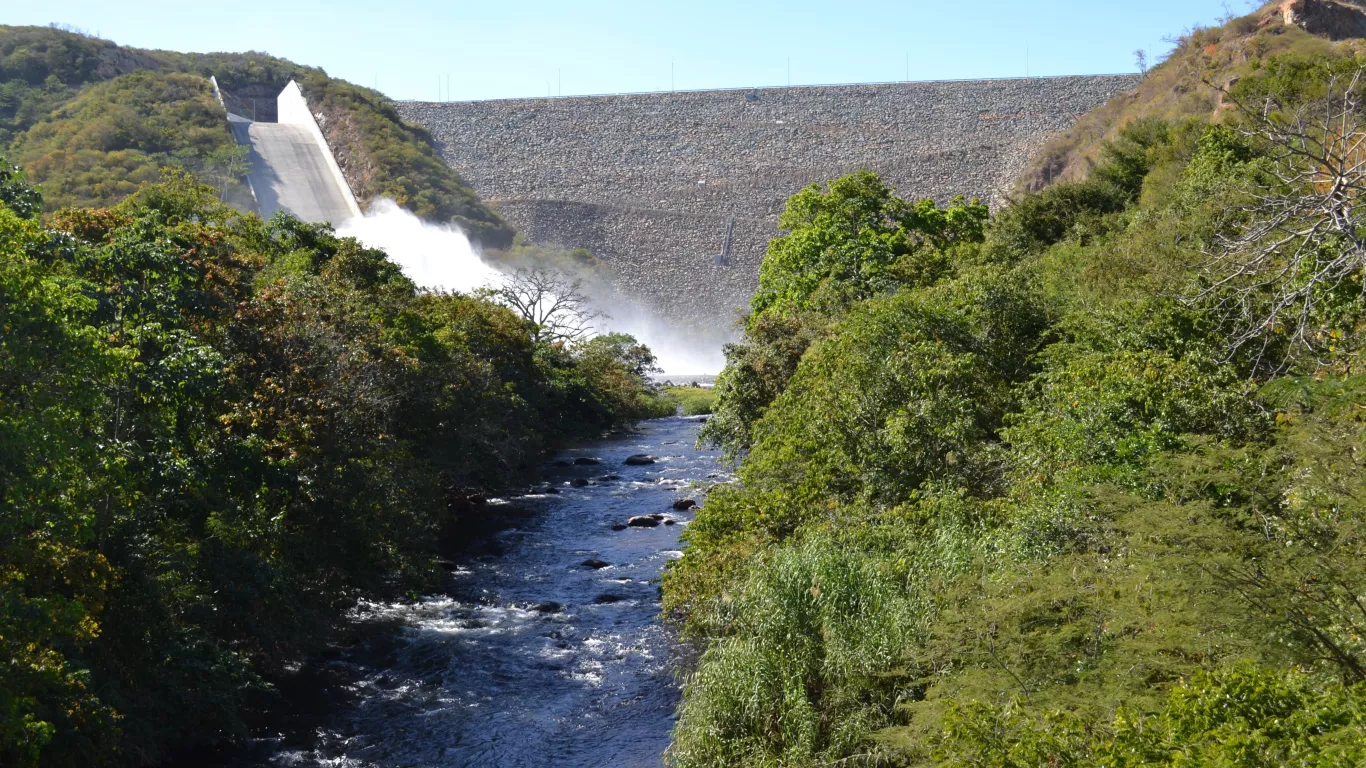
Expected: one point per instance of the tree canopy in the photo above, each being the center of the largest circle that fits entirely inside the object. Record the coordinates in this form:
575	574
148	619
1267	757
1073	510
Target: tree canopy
1049	488
216	435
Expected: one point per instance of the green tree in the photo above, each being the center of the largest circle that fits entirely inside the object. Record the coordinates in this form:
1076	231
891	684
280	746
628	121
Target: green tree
856	239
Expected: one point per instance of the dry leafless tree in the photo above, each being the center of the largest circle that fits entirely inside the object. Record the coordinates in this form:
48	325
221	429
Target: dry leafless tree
1299	238
555	305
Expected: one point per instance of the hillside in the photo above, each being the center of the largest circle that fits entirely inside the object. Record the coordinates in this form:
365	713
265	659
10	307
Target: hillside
217	436
1184	85
90	120
1077	482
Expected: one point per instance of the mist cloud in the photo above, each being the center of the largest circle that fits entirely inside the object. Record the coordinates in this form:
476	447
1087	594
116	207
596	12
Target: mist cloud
440	257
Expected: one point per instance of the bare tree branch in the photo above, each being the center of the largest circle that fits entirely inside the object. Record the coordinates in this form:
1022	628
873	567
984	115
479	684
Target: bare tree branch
554	305
1299	238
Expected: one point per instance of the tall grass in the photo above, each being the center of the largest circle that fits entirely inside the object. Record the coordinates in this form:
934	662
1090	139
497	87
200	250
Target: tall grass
693	401
802	671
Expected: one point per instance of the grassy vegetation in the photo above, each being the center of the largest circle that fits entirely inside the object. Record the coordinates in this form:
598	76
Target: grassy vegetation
89	121
217	434
1176	89
1011	494
692	401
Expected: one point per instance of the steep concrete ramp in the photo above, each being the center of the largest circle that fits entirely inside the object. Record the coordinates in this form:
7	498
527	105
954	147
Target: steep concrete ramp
290	173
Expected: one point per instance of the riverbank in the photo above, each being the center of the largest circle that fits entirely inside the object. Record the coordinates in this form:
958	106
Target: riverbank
544	648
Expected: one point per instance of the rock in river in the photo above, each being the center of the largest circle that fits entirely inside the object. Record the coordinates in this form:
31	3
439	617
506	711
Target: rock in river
595	563
683	504
584	461
639	460
642	521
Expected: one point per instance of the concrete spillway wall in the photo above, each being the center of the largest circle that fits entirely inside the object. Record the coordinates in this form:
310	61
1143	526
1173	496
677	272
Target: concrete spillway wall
292	168
649	182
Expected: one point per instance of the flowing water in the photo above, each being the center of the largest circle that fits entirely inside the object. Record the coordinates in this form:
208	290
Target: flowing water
531	658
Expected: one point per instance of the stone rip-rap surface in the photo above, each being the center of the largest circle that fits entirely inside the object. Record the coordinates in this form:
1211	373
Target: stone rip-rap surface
648	182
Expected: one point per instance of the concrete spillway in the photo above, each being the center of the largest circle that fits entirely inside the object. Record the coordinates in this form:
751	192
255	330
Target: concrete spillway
289	172
292	168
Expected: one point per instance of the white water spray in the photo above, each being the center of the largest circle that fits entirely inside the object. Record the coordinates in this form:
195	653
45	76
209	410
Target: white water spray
679	352
433	256
440	257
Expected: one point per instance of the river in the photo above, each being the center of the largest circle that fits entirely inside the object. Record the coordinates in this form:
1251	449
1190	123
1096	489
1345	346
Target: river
530	657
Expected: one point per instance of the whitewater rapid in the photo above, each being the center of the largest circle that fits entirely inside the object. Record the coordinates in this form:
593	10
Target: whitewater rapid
530	657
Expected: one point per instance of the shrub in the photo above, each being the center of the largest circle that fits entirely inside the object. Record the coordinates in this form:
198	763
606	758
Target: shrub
795	677
117	135
1240	715
692	401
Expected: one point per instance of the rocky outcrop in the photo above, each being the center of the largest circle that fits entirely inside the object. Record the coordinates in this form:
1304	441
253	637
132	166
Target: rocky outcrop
116	61
344	138
1333	19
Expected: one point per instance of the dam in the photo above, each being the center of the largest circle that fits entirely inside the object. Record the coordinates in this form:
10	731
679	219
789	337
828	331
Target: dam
680	192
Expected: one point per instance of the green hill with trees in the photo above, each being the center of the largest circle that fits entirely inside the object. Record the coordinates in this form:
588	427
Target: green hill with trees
89	121
1075	483
217	434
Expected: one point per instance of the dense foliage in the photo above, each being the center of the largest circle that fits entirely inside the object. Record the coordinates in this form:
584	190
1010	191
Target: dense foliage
89	121
115	136
216	435
1016	492
39	70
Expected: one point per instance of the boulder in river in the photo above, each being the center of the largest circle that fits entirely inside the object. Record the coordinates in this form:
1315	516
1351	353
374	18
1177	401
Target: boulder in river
551	607
670	521
595	563
607	599
563	463
578	482
683	504
639	460
619	526
642	521
584	461
609	478
655	516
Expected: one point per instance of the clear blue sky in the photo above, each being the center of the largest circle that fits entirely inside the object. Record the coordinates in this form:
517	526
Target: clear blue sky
517	48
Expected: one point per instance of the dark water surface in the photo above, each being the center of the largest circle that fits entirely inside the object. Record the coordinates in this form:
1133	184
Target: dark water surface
530	658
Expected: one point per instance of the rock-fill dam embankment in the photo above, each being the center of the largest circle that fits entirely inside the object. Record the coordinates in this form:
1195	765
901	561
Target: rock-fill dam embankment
650	182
